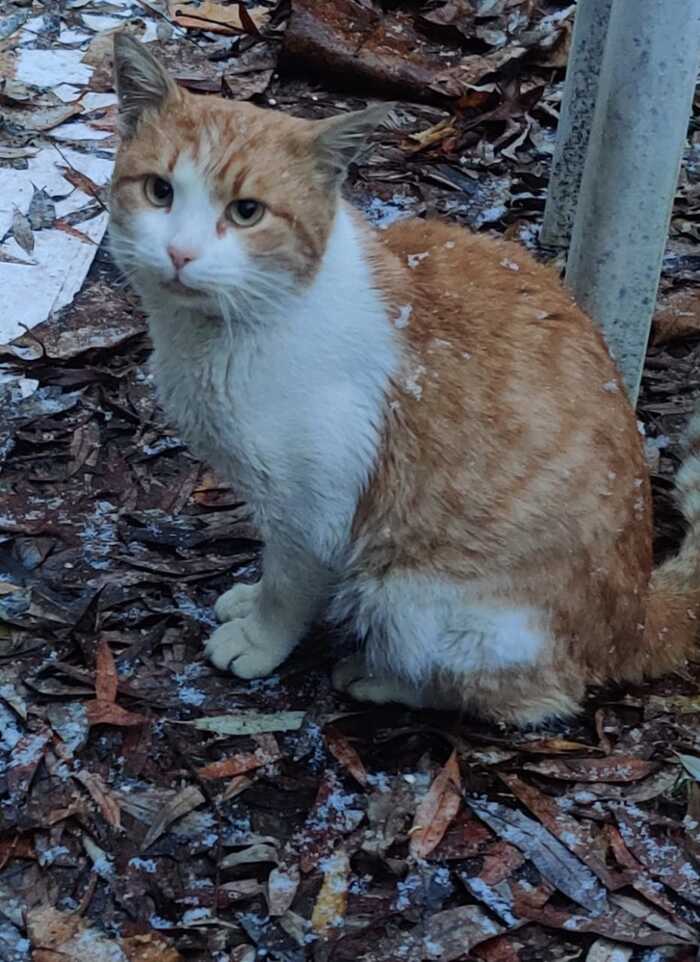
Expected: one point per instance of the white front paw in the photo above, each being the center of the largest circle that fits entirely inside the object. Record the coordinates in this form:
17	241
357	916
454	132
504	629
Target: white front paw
237	602
248	647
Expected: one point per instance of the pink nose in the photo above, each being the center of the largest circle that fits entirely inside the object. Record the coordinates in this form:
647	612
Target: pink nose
180	256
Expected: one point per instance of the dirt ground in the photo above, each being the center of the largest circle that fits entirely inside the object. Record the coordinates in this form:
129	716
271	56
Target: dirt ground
155	810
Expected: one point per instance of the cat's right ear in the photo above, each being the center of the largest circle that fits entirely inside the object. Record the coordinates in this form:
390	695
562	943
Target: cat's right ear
140	81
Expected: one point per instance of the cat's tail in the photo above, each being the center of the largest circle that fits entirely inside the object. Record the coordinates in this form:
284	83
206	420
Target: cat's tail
672	625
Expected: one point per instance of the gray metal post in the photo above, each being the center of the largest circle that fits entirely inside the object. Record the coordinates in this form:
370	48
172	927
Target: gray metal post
575	119
645	95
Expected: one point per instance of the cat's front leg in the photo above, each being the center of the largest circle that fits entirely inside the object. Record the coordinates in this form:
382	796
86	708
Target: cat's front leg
271	618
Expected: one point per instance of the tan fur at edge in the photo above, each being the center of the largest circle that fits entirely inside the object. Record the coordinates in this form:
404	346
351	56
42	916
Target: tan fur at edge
513	459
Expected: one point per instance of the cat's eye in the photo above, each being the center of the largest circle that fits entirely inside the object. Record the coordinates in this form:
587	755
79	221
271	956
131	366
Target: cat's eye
245	213
158	191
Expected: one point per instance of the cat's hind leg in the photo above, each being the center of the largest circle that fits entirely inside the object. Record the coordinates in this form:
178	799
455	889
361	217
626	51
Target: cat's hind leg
439	644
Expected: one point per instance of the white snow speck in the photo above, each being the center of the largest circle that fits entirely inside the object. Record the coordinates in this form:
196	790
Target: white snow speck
404	314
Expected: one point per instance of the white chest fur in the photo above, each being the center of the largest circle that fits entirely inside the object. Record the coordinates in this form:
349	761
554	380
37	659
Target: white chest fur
289	410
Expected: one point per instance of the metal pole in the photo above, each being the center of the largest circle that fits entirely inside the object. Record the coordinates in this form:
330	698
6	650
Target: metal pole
575	118
639	130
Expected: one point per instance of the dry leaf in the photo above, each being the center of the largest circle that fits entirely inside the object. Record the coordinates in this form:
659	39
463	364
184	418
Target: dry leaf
244	762
436	811
109	713
332	902
67	937
582	838
614	768
185	801
250	722
554	860
603	950
101	795
282	885
22	231
341	749
678	315
218	17
106	679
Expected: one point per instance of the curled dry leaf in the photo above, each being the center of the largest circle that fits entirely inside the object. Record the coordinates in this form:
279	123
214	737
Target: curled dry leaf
332	901
341	749
437	810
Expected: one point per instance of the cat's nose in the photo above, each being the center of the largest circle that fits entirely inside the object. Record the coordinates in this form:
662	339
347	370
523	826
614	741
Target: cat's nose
180	256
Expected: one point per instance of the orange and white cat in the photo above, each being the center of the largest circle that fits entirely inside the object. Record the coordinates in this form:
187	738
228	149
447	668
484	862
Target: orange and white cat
432	436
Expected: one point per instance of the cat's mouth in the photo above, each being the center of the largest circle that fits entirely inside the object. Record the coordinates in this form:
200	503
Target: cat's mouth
175	286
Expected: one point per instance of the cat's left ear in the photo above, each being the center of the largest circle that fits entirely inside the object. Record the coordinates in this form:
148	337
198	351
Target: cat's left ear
140	81
340	139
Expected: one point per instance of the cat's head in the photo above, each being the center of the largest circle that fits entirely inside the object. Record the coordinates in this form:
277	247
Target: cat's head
221	204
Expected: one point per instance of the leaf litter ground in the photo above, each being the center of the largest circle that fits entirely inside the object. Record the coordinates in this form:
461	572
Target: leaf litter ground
154	810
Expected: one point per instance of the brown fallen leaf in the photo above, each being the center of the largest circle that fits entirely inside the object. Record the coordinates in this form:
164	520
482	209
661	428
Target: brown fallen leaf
466	837
341	749
109	713
150	947
640	910
185	801
672	704
73	231
584	839
678	315
101	795
22	231
80	180
556	863
103	710
25	759
437	810
614	768
603	950
333	815
282	885
15	846
659	851
552	746
244	762
447	936
106	678
638	876
616	924
68	937
500	949
432	135
218	17
332	902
